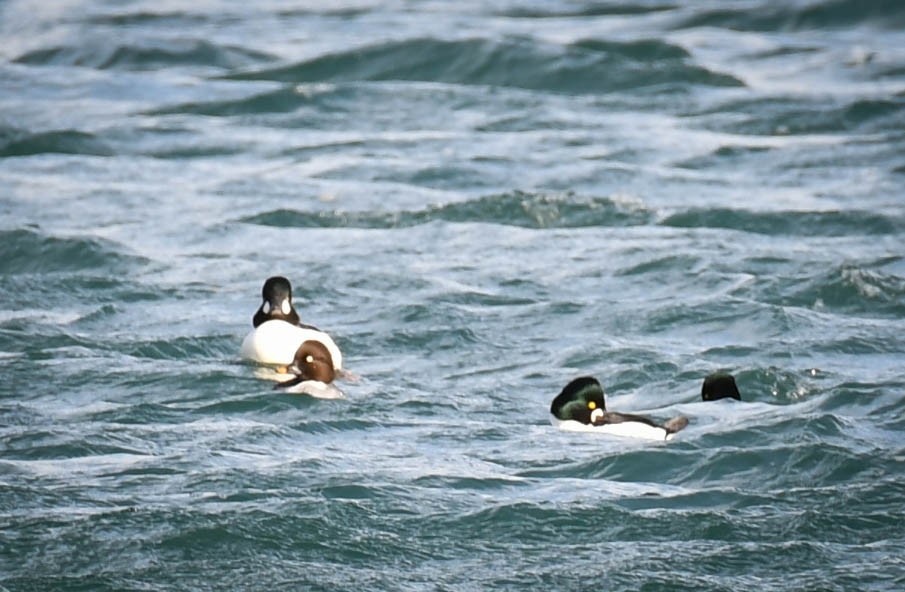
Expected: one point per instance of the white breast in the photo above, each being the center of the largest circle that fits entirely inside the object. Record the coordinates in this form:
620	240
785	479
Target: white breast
315	388
275	342
629	429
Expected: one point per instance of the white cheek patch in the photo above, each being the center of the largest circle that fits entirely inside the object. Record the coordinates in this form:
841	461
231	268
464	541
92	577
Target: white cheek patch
265	308
286	307
596	414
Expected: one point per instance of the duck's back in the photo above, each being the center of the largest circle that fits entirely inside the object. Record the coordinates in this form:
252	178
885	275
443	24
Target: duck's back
275	342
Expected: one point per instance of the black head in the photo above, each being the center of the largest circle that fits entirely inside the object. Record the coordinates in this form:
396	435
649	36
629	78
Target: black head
313	362
579	400
277	305
720	386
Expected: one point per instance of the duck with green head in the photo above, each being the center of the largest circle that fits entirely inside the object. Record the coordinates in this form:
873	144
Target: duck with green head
581	406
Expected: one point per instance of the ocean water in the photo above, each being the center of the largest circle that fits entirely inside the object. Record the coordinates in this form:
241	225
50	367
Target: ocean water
479	201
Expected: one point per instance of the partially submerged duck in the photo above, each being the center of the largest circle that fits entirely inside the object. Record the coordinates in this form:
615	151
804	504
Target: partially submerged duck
720	385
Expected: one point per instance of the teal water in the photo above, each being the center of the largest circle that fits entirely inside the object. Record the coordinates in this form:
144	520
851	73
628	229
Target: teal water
480	202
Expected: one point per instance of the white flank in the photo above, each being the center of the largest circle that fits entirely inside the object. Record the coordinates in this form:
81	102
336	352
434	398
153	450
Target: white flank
626	429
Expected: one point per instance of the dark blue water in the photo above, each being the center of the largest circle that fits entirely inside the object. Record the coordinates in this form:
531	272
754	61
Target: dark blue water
479	202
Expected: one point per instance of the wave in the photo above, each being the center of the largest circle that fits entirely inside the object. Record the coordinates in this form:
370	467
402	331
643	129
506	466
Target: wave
790	116
584	67
28	251
789	223
553	10
283	100
775	385
157	19
18	142
528	210
541	210
887	14
183	348
147	55
39	446
846	288
723	156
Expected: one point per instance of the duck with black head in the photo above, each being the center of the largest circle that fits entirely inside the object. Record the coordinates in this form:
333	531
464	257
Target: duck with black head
277	304
278	332
720	385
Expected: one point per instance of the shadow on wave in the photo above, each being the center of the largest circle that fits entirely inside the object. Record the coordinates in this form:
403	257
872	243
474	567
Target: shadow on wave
588	66
528	210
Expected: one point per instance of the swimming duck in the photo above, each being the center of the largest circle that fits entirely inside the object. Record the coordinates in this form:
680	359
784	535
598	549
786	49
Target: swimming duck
720	385
313	372
277	333
580	406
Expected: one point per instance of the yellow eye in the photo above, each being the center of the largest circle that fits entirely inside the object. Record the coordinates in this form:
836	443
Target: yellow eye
592	405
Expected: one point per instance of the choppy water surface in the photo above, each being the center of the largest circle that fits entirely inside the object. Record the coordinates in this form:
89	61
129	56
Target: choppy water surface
479	201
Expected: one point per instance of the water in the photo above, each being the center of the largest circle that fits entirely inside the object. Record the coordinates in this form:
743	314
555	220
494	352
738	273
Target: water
479	201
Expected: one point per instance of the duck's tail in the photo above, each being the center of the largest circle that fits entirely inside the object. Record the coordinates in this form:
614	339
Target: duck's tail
675	424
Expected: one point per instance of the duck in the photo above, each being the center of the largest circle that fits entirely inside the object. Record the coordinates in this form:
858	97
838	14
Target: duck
312	371
278	332
720	385
581	407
